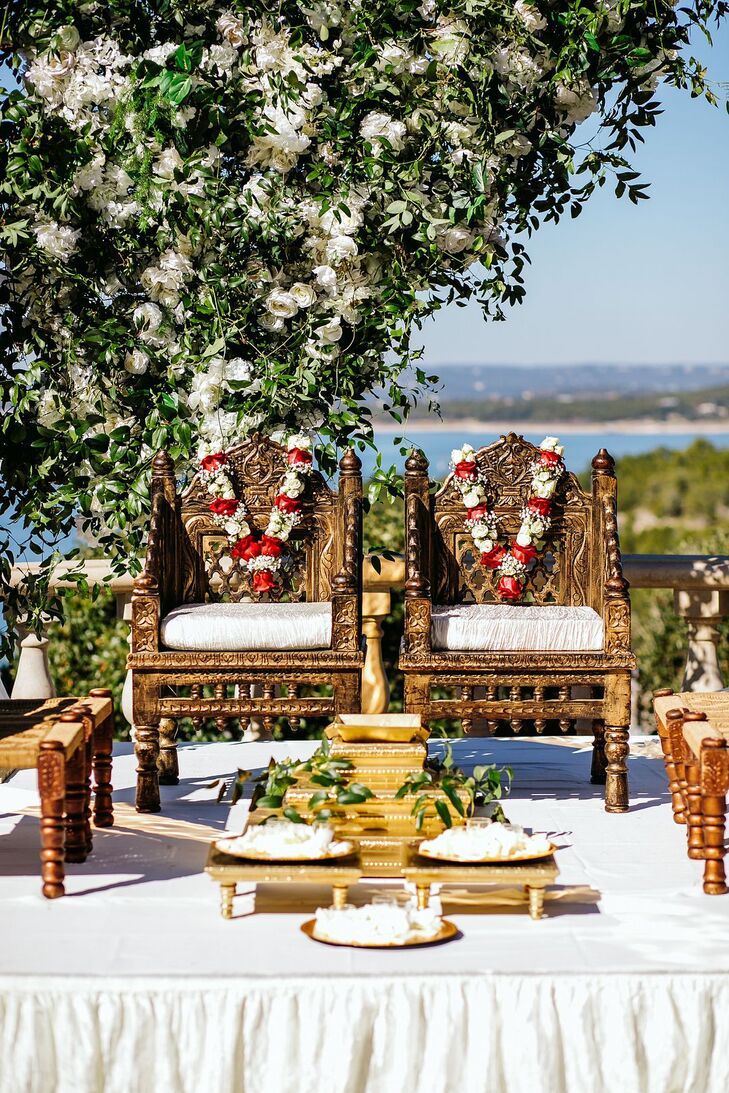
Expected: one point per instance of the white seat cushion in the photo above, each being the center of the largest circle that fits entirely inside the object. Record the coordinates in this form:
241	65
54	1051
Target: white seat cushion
232	627
496	627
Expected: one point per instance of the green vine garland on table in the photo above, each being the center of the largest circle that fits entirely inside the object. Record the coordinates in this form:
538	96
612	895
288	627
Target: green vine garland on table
441	778
217	218
322	770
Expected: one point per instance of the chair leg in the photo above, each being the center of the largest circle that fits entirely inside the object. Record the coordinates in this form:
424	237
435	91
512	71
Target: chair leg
695	824
103	746
146	749
675	768
75	819
599	761
51	786
714	787
616	780
167	763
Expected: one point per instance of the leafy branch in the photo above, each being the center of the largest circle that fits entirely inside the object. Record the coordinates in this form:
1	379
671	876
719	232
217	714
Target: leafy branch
331	777
440	787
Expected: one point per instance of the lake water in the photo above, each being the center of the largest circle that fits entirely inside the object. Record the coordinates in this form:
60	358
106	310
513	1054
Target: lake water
579	448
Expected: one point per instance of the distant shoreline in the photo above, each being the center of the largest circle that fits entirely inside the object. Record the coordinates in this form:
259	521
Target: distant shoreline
641	427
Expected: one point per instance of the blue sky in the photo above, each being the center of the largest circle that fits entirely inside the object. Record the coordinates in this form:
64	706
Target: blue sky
644	284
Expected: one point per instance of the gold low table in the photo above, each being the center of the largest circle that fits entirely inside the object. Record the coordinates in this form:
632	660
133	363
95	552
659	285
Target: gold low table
535	876
229	871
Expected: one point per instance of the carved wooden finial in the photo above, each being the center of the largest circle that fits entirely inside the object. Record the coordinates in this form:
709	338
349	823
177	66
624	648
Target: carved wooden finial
100	692
162	465
416	463
603	463
661	692
694	715
350	463
674	715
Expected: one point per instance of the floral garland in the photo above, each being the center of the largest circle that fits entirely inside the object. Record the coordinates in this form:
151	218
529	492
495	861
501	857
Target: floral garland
263	555
509	562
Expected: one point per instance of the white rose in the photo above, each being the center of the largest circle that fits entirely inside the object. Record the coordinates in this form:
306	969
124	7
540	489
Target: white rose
341	247
523	538
455	240
57	239
136	362
281	304
301	441
167	162
530	16
303	294
552	444
238	370
66	38
376	127
231	28
147	317
292	485
273	325
326	277
473	497
451	40
330	332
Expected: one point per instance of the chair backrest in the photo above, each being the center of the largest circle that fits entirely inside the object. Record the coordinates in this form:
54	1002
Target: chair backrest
256	467
570	570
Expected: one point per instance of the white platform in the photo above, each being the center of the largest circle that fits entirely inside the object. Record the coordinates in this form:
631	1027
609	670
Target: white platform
133	982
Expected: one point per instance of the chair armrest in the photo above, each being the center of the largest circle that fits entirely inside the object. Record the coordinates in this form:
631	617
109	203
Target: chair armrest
610	585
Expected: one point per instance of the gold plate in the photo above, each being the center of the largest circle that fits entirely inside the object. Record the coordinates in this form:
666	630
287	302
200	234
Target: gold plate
447	932
503	860
260	855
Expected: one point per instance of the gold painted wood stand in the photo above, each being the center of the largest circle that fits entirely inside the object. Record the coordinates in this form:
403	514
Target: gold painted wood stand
534	876
228	872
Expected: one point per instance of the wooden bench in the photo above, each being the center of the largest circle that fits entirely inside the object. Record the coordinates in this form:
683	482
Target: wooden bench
694	731
64	739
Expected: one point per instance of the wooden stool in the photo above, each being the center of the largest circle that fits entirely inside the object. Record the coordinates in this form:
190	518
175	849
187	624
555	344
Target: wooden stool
694	731
64	739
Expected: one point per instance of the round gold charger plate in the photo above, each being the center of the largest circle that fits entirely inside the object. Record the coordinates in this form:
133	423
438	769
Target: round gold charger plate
447	932
260	855
503	859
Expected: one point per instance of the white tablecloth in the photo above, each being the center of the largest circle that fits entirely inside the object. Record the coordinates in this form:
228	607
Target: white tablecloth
133	982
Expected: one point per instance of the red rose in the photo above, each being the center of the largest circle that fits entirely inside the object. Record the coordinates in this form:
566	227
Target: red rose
246	548
224	506
263	581
287	504
271	547
509	588
493	558
214	462
299	455
539	505
549	459
523	554
466	469
477	512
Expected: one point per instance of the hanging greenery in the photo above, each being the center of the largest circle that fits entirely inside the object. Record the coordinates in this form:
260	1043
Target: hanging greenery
222	218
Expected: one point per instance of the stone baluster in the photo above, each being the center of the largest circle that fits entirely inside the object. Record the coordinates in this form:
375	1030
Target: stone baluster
703	610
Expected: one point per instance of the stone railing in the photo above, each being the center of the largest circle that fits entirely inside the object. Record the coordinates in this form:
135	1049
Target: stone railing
700	585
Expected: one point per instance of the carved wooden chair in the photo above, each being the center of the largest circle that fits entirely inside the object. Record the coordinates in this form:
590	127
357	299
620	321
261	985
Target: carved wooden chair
564	655
202	647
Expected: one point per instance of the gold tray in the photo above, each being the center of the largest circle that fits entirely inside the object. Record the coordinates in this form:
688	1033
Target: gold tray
260	855
447	932
502	860
377	728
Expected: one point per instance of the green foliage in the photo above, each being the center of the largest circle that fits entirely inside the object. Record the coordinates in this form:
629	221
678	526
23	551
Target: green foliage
333	792
439	790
